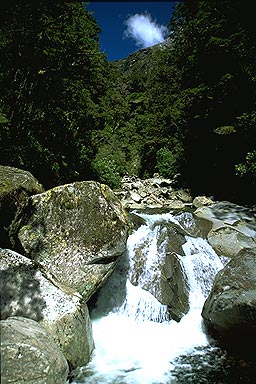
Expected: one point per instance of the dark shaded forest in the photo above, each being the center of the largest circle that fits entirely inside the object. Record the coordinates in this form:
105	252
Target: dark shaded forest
185	107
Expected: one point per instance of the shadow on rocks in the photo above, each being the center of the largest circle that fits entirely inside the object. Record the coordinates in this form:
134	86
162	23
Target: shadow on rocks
20	293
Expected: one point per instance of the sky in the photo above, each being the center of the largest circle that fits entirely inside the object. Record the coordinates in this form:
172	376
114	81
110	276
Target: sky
129	26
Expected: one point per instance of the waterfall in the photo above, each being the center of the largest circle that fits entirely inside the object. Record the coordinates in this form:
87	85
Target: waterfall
136	342
201	265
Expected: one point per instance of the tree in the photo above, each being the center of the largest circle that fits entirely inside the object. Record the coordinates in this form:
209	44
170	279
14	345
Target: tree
52	78
214	45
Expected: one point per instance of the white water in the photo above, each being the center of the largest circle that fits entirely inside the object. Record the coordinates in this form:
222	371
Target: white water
134	342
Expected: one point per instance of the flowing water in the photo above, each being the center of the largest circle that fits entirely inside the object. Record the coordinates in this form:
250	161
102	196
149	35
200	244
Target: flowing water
136	342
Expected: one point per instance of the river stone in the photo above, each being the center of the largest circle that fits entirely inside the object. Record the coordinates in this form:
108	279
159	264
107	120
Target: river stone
174	204
229	312
230	227
174	287
15	187
200	201
135	197
136	220
29	355
172	236
228	241
184	196
76	231
168	283
155	193
26	292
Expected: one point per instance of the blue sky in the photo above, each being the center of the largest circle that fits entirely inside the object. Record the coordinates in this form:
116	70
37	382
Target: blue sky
129	26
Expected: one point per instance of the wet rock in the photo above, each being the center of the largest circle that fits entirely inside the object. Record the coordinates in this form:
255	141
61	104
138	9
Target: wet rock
136	220
29	355
175	290
167	283
229	312
191	224
172	237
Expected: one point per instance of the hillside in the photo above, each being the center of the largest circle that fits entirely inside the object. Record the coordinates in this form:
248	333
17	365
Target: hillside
183	107
141	60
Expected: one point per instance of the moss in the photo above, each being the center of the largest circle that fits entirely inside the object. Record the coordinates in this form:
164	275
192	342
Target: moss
5	186
65	227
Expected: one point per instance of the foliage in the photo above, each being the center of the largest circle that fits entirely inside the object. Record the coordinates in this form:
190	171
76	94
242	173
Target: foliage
167	162
107	166
185	106
52	77
248	168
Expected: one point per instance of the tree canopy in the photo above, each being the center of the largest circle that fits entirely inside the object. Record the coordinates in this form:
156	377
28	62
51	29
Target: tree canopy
52	77
183	107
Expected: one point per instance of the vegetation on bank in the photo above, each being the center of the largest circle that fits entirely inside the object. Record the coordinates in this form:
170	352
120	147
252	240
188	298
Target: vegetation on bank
186	106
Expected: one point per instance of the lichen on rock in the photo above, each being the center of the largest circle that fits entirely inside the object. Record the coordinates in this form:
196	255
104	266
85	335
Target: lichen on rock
76	231
16	185
26	291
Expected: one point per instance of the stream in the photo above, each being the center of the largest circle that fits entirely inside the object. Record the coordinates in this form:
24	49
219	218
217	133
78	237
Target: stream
136	341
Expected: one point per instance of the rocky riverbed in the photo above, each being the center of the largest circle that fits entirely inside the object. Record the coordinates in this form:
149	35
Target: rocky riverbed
58	247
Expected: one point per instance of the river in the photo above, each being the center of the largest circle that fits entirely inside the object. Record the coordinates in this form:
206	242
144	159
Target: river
136	341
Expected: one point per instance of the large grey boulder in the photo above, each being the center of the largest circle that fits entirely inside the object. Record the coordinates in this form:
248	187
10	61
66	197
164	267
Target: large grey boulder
230	227
29	355
27	292
228	240
16	185
201	201
229	312
76	231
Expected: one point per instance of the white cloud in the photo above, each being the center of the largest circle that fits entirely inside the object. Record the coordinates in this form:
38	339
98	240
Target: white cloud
144	30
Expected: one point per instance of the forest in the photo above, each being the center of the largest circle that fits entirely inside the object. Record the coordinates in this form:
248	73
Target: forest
183	109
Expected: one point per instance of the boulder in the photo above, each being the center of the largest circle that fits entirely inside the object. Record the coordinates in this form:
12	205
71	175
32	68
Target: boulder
136	220
26	292
228	227
229	312
191	224
167	283
228	241
174	287
76	231
201	201
16	185
29	355
184	196
174	205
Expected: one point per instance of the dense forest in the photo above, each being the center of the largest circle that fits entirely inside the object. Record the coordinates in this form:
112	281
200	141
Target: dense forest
185	107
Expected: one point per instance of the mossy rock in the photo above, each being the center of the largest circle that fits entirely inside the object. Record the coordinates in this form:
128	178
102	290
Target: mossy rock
27	291
29	354
76	231
16	185
229	312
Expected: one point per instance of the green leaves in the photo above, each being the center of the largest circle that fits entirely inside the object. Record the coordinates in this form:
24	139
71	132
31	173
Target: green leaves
248	167
186	106
54	78
169	161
